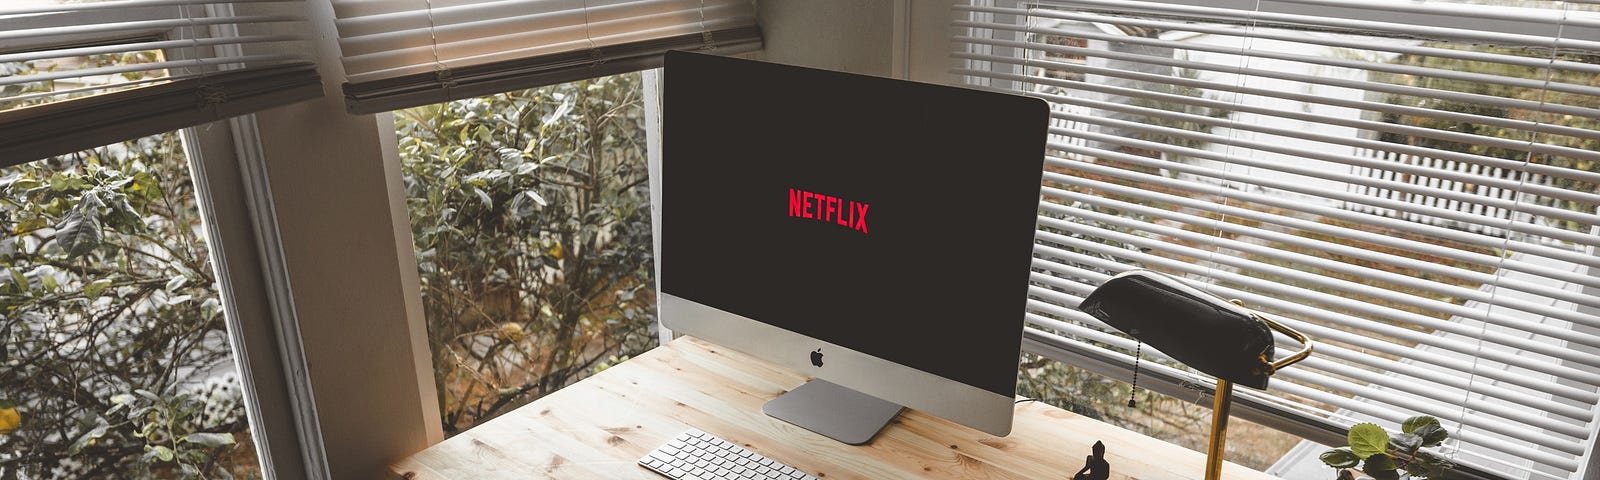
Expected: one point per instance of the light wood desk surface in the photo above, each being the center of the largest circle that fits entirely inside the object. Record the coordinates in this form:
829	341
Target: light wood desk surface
598	428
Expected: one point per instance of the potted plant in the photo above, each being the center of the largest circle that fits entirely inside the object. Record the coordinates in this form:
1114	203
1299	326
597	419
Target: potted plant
1409	454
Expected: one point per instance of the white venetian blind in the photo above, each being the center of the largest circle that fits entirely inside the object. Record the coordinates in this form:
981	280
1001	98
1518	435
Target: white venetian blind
403	53
1413	184
77	75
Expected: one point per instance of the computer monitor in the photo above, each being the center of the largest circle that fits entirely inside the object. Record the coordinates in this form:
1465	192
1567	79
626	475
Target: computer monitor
873	233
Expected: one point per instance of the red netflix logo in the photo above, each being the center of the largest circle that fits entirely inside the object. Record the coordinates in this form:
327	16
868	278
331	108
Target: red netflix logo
816	206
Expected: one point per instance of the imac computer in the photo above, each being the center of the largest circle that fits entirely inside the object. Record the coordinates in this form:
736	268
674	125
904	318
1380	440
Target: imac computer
874	234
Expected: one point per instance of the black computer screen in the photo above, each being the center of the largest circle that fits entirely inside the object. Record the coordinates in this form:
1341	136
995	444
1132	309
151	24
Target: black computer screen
890	217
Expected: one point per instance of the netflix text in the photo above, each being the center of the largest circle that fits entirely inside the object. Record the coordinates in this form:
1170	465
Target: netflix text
816	206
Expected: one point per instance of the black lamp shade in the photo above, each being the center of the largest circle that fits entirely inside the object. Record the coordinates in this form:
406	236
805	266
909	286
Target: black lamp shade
1202	331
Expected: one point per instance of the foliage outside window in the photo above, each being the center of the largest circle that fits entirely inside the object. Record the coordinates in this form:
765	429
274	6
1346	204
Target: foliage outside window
115	360
531	217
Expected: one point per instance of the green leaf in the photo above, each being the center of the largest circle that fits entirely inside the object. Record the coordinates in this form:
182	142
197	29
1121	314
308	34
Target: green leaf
560	111
1340	457
484	196
87	438
1381	467
210	439
25	184
1367	439
1412	424
29	224
95	288
176	282
163	453
1432	435
510	157
1405	442
522	204
148	395
78	234
1345	475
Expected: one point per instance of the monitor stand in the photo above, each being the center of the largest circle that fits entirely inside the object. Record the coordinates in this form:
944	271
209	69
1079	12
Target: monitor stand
834	411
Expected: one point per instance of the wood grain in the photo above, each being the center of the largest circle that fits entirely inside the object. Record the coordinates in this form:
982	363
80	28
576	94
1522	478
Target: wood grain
599	427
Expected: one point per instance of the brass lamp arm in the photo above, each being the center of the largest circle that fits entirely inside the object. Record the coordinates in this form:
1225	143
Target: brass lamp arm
1305	342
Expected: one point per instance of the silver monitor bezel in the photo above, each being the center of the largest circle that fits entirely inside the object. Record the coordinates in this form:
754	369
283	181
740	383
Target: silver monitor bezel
958	402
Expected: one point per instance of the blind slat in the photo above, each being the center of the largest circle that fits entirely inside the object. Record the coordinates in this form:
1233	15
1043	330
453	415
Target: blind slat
79	75
1315	245
1400	225
1292	36
1235	106
1267	54
1445	154
144	46
1336	194
154	67
1371	275
1470	26
1319	228
399	54
143	26
121	5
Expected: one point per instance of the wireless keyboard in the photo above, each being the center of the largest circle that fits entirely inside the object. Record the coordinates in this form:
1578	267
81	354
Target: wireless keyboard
697	455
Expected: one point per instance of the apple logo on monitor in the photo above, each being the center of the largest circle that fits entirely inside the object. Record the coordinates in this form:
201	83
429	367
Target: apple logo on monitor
816	357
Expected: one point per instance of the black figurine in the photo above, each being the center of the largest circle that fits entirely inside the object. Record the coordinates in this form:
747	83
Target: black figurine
1095	467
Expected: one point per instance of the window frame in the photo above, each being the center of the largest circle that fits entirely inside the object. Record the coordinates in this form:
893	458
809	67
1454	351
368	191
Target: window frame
221	157
930	61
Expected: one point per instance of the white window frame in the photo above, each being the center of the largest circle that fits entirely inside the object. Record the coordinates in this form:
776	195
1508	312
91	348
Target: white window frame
924	51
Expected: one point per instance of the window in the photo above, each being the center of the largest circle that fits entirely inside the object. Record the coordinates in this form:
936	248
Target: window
117	360
1415	190
114	314
531	216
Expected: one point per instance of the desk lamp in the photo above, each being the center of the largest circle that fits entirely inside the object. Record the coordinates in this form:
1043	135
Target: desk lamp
1219	338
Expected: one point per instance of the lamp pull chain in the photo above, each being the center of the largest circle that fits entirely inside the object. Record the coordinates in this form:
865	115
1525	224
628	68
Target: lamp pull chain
1136	353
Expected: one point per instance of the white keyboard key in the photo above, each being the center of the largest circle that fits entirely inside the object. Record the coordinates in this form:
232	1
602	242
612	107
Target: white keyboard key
697	455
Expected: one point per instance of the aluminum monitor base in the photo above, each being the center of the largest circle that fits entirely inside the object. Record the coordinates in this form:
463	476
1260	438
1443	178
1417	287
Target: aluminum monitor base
834	411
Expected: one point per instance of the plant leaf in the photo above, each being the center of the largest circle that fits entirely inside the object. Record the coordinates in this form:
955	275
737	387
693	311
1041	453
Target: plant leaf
78	234
88	437
1406	442
1367	439
1434	465
162	453
95	288
1340	458
176	282
29	224
1381	467
1412	424
566	106
1432	435
205	439
484	196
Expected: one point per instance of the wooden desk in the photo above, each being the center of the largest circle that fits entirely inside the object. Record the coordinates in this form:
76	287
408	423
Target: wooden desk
597	428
